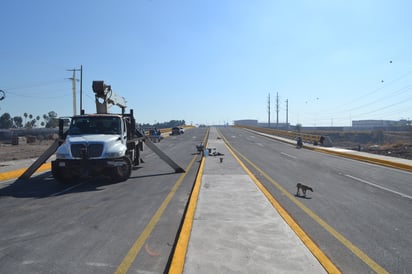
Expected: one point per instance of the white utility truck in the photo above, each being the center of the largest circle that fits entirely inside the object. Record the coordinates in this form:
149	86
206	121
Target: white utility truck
100	143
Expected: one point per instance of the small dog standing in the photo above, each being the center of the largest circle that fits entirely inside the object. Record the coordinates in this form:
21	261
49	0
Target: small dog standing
304	188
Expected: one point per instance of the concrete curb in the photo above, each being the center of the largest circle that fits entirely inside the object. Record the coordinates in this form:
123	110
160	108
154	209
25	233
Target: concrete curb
362	158
398	163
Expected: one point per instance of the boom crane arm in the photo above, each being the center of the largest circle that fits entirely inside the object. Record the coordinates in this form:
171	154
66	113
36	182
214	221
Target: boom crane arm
105	98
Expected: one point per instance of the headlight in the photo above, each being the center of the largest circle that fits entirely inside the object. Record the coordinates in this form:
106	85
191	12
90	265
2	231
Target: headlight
116	154
62	156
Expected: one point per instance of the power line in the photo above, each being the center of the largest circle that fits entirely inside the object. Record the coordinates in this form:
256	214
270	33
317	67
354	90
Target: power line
269	110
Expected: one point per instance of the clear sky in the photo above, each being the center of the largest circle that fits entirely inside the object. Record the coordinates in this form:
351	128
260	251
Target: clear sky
212	61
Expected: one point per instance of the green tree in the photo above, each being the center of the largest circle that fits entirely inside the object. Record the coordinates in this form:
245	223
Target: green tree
18	121
37	118
29	123
6	121
51	119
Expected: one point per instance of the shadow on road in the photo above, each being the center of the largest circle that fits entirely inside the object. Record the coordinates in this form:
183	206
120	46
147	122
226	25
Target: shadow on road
44	185
302	197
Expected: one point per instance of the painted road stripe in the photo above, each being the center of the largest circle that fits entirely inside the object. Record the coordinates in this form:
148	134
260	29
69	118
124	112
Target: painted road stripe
378	186
138	244
179	256
288	155
17	173
308	242
355	250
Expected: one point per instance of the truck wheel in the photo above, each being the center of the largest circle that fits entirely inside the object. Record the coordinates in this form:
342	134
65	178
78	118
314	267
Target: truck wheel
122	173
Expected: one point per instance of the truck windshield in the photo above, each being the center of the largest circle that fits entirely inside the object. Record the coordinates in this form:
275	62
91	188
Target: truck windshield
95	125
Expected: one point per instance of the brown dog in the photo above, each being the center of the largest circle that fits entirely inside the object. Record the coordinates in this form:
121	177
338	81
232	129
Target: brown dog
304	188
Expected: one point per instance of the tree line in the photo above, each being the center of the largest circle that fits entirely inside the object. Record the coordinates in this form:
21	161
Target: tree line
51	120
170	124
48	120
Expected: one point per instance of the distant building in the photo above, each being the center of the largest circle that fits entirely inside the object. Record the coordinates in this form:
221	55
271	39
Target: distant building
246	122
370	124
275	125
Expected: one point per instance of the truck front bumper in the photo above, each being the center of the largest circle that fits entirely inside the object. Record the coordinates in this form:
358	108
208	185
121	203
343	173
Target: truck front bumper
84	166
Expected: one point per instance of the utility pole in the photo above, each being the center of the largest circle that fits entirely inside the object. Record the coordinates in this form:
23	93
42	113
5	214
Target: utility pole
287	122
2	95
269	110
277	109
74	89
81	89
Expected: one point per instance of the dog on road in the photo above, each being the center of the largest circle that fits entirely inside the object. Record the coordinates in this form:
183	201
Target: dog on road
303	188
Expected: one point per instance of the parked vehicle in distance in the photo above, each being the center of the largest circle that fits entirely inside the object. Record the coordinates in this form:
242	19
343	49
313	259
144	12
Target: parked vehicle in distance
175	131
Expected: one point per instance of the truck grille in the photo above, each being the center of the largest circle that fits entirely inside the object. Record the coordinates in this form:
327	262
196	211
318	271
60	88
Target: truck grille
87	150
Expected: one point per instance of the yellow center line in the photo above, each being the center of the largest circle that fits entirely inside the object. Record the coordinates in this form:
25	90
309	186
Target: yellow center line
138	244
323	259
179	256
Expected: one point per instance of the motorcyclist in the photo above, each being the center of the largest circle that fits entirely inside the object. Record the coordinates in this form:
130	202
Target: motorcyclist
299	142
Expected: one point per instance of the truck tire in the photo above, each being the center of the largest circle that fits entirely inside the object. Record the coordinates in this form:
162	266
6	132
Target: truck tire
122	173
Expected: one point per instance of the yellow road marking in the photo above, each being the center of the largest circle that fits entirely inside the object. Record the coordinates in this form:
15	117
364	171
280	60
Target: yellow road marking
355	250
17	173
316	251
367	159
179	256
137	246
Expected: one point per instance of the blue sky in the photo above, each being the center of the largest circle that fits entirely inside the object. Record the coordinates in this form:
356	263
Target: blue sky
212	61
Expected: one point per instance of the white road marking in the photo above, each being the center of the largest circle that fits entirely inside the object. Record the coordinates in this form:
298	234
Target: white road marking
288	155
378	186
28	262
98	264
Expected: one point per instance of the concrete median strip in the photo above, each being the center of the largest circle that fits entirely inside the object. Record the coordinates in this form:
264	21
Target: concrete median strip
231	226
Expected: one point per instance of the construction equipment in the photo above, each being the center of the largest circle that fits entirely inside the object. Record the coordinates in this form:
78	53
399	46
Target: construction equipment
101	143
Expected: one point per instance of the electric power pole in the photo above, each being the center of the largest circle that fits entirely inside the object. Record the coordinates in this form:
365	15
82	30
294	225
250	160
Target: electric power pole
81	89
287	122
277	110
269	110
74	89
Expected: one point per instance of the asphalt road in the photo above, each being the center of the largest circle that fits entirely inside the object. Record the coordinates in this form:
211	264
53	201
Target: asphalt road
359	214
95	226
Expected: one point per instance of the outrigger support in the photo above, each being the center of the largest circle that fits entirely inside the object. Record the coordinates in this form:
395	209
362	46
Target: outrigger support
163	156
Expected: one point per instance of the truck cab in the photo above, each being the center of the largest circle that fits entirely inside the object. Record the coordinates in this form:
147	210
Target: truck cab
97	144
